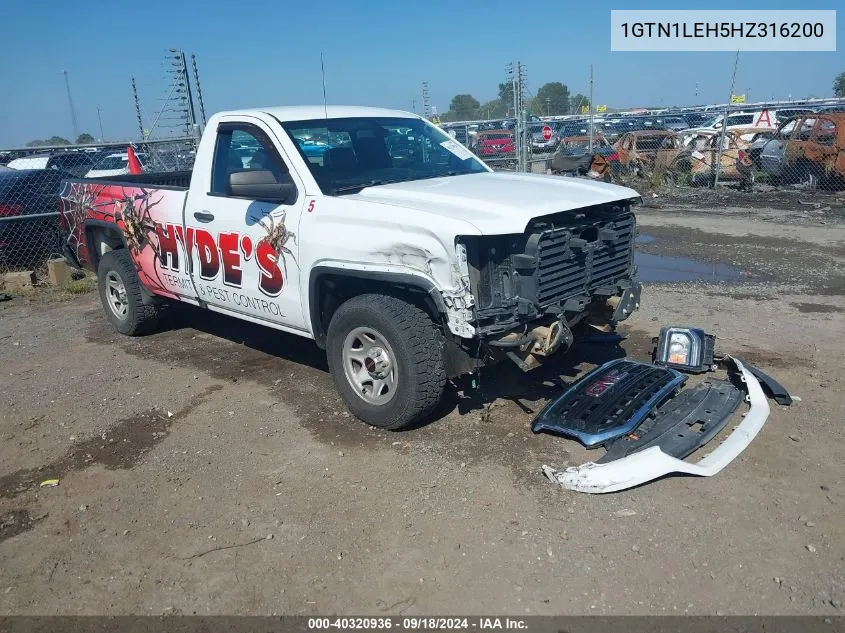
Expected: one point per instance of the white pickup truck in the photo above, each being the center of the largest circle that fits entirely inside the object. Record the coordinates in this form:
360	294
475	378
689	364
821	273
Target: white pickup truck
370	231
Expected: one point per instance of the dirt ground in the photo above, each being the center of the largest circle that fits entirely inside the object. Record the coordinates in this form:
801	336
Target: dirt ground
211	468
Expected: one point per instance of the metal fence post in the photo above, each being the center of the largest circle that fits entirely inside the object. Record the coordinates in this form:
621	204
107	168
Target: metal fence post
721	147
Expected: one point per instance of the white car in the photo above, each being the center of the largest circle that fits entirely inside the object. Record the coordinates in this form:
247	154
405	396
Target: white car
113	165
750	122
36	161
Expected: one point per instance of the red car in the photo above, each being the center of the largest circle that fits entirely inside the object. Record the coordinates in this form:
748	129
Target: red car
495	143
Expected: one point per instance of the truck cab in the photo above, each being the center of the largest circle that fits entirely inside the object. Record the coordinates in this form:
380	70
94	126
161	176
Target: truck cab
370	231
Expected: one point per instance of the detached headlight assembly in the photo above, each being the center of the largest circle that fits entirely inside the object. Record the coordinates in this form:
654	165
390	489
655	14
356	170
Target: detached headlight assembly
685	348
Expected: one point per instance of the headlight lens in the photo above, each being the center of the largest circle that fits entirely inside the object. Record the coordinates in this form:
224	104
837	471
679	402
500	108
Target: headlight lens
685	348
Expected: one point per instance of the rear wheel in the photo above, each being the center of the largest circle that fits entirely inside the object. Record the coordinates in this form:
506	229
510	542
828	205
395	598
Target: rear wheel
386	358
121	295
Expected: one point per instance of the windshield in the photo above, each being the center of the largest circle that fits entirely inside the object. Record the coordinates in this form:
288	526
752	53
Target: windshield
345	155
112	162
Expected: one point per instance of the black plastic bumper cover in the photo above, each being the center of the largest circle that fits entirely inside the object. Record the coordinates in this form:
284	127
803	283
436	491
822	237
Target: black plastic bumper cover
683	424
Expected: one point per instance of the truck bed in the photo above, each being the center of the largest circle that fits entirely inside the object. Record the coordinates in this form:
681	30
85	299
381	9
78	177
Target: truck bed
166	179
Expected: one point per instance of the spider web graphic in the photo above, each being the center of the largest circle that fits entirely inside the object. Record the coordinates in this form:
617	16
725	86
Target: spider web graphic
128	208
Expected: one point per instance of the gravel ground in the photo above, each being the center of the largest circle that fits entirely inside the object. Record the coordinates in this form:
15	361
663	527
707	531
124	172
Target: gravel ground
211	468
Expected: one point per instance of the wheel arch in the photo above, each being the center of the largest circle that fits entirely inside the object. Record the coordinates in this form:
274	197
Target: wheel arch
101	237
330	286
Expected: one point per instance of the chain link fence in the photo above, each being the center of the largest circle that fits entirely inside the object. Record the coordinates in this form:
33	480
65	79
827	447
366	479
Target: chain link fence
31	181
794	149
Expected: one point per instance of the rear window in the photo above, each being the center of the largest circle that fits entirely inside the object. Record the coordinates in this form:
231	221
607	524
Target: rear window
112	162
647	143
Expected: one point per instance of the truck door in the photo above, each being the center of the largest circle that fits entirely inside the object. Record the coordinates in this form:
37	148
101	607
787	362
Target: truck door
245	251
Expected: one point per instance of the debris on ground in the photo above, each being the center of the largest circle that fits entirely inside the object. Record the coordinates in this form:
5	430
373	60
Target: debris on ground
648	424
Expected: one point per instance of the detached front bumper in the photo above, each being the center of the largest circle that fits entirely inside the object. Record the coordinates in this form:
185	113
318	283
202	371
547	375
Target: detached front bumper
652	463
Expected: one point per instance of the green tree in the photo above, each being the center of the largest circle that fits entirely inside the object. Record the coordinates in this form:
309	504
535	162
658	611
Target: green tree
578	102
839	85
53	140
506	95
493	109
84	138
464	107
552	99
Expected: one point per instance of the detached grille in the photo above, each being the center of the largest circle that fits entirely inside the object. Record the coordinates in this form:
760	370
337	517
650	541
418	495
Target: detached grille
578	258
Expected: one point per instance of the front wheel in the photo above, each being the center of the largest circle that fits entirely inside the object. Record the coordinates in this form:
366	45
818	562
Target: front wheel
386	357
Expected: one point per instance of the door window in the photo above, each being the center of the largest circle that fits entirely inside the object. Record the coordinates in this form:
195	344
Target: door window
244	148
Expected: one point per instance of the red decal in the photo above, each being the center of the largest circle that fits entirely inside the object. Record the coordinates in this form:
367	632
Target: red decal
246	246
232	273
207	251
271	281
188	245
168	248
311	206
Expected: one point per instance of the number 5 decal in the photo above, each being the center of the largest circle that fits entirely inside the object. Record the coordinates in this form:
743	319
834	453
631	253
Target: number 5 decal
311	206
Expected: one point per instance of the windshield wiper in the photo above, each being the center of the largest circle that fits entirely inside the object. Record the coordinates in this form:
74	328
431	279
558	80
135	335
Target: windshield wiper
364	185
374	183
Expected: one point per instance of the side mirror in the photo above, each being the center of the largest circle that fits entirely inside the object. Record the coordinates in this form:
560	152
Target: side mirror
261	184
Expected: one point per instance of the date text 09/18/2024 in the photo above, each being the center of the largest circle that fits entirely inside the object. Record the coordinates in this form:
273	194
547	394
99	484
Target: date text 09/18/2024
421	623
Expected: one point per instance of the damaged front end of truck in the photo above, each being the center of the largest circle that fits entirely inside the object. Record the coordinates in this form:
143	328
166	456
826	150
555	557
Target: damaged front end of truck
530	290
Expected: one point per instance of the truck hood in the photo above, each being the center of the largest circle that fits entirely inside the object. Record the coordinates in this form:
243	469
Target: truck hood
495	203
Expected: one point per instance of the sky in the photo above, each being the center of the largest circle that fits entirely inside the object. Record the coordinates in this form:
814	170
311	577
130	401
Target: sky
377	52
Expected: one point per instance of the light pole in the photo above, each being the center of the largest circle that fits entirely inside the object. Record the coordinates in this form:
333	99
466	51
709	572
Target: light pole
100	120
72	109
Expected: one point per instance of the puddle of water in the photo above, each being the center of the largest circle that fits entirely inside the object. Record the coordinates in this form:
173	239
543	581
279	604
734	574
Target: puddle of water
666	268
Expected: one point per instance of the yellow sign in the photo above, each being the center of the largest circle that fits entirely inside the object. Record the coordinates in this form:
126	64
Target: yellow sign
737	98
435	120
585	109
601	108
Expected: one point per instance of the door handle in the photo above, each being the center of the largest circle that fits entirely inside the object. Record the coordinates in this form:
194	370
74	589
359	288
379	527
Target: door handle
204	216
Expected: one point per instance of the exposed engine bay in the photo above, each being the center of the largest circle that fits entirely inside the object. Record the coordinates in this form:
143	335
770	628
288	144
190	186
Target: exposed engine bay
530	289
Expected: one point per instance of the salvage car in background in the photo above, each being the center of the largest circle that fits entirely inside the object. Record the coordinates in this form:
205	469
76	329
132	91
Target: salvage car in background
806	149
647	150
29	223
696	163
574	156
76	163
114	165
491	143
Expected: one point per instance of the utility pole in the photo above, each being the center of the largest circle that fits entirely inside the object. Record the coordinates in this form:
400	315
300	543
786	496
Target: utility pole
137	109
73	120
425	101
591	108
414	106
191	112
725	125
548	106
100	121
199	90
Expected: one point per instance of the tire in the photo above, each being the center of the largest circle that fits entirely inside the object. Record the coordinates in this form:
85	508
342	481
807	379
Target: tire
116	268
411	380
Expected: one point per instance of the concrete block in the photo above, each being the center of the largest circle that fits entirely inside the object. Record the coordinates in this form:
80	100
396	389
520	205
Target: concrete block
19	280
58	272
